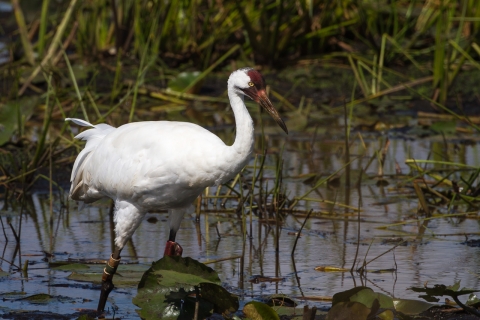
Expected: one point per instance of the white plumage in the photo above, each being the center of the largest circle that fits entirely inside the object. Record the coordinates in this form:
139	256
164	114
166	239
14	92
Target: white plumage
156	165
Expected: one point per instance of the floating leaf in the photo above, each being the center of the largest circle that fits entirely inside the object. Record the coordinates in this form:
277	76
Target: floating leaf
292	313
455	286
223	301
121	279
411	307
168	290
12	294
72	267
38	298
295	313
473	300
386	315
42	298
348	310
368	296
259	311
344	296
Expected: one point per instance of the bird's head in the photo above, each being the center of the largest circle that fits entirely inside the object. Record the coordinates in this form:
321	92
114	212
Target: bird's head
250	83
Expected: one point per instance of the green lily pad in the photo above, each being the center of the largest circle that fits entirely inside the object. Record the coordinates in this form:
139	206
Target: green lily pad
411	307
473	300
223	301
72	267
168	290
344	296
259	311
364	295
43	298
292	313
122	279
386	315
38	298
368	296
12	294
349	310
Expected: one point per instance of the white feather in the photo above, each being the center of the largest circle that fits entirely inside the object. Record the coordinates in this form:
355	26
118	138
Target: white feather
80	122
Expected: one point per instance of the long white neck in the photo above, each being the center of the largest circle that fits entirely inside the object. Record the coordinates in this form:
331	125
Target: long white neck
243	145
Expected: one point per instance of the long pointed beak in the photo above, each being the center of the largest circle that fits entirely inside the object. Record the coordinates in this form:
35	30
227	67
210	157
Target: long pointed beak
268	106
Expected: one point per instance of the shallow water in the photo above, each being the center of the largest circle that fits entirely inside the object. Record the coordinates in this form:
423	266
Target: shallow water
432	254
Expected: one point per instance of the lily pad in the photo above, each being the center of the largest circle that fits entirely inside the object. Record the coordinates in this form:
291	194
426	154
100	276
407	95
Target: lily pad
411	307
368	296
12	295
386	315
364	295
43	298
173	285
38	298
72	267
473	300
122	279
259	311
349	310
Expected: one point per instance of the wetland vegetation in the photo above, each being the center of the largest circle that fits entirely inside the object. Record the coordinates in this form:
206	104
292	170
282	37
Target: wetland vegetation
376	185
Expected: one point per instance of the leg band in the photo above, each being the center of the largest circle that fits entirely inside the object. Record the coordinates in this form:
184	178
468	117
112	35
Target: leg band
110	268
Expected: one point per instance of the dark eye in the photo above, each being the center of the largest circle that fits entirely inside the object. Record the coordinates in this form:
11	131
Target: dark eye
251	84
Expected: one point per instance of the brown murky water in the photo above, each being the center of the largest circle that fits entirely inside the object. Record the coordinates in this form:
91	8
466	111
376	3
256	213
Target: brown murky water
432	253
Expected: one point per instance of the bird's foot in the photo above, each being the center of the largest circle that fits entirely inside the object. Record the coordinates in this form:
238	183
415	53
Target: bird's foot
107	284
173	249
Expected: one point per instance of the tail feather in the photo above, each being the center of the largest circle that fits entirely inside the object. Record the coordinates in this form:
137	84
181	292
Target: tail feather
93	137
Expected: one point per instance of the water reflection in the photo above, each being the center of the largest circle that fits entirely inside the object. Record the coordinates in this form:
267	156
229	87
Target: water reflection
431	251
5	6
4	54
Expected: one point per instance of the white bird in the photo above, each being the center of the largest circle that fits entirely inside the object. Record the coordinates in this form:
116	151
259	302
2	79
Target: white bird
155	165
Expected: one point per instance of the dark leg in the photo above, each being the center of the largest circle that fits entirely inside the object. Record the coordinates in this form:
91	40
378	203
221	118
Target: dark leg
172	248
107	284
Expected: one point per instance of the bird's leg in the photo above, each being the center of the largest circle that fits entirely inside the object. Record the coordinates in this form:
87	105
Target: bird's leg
172	248
107	284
